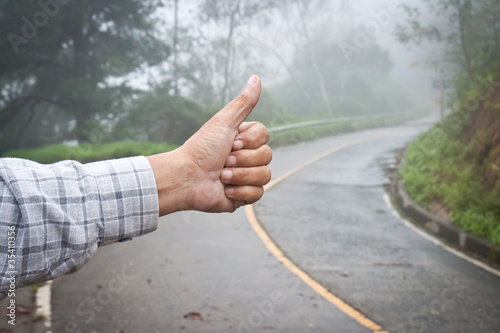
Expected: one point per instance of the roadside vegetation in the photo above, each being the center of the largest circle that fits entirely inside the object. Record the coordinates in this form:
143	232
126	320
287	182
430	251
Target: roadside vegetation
88	152
444	169
456	165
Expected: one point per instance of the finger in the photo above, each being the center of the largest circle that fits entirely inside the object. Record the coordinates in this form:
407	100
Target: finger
246	125
246	194
234	113
256	176
252	135
250	157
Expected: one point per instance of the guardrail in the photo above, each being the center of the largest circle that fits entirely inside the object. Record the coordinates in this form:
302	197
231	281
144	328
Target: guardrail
333	120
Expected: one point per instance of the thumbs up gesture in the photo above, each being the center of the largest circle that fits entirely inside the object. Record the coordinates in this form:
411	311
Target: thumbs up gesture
222	166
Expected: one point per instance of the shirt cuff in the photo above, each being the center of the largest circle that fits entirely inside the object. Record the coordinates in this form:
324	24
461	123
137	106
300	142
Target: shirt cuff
128	196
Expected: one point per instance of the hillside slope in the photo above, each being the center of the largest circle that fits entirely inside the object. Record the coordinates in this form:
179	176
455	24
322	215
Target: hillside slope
456	169
484	134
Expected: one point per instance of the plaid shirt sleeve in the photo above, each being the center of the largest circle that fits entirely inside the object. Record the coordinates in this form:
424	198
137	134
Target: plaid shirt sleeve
59	214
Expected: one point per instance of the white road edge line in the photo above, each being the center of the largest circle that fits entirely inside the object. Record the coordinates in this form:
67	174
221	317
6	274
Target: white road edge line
437	241
43	307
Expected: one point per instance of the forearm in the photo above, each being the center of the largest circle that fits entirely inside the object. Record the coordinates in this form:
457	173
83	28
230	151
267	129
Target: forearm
61	213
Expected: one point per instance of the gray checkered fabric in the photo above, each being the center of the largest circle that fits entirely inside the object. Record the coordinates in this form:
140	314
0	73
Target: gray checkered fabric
63	212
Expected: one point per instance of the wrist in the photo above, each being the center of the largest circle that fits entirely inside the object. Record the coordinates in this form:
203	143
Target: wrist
173	181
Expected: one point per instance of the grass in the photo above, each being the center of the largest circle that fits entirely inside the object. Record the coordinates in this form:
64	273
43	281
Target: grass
438	168
90	152
97	152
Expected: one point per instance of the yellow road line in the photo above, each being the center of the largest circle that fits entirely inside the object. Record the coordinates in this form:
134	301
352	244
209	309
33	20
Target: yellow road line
275	250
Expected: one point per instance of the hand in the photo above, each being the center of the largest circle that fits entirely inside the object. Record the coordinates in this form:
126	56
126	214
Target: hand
222	166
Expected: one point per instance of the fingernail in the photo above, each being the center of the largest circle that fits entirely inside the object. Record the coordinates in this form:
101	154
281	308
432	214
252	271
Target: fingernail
238	144
229	190
252	80
231	160
226	175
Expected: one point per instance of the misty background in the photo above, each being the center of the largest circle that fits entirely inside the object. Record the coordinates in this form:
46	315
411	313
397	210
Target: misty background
155	71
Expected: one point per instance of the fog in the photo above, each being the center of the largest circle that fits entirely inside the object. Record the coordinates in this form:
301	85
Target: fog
317	59
334	21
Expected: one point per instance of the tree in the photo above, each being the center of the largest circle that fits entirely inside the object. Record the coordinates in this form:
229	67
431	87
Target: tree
302	25
230	16
349	90
174	48
470	35
65	62
159	116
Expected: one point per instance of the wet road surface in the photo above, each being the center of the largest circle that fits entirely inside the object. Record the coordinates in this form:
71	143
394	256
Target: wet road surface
211	273
331	219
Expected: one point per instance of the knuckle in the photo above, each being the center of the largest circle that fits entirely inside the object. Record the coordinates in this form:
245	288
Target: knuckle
258	124
240	156
260	193
266	134
241	99
246	175
268	153
262	131
244	192
257	135
266	174
252	175
253	194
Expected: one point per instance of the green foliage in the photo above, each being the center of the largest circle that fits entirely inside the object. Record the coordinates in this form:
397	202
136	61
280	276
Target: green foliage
89	153
483	224
64	65
438	168
467	29
159	116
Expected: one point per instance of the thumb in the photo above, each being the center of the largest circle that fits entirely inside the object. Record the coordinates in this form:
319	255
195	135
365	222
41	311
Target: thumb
234	113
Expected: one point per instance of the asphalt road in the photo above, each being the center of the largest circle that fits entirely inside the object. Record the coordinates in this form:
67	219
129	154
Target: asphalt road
211	273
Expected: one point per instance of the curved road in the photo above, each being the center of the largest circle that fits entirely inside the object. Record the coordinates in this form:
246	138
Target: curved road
211	273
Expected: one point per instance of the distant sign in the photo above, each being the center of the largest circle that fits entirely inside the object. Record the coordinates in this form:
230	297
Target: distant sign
440	84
